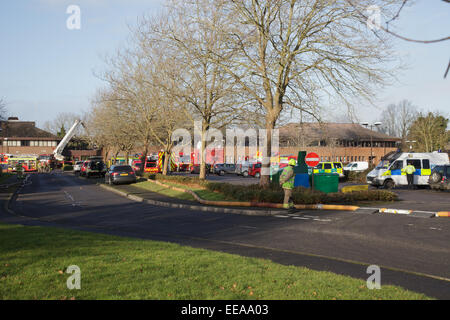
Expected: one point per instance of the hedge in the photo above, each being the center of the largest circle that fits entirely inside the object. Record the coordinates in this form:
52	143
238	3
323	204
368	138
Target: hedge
68	168
275	194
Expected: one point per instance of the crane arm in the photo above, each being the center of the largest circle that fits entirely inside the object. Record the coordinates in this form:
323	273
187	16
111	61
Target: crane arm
69	135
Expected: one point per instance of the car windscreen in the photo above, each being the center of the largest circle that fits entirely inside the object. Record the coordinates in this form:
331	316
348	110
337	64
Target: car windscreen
122	169
337	165
383	165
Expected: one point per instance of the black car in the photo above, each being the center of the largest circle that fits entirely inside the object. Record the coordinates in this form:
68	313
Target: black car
195	169
93	168
223	168
120	174
440	177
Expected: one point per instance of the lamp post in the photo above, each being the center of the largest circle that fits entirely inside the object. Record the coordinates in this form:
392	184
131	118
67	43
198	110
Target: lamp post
371	126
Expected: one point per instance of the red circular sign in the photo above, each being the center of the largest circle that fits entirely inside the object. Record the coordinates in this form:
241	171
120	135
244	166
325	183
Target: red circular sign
312	159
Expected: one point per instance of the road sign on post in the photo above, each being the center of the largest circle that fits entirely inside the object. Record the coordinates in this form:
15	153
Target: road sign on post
312	159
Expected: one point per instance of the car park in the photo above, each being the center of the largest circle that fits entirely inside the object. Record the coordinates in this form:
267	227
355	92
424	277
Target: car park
440	178
120	174
224	168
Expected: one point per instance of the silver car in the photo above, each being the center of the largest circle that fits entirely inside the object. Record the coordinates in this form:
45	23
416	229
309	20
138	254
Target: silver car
77	166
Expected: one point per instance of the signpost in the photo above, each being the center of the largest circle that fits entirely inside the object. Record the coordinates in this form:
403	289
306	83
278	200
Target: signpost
312	159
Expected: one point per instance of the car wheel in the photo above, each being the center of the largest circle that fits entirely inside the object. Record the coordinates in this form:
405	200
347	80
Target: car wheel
257	175
245	174
389	184
222	173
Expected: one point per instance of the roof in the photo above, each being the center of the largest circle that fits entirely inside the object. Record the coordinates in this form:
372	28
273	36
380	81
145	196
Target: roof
338	131
24	130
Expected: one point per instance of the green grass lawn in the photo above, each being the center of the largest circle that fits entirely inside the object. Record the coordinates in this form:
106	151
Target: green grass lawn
33	261
202	193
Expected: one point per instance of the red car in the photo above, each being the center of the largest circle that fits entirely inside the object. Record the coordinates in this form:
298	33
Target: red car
255	170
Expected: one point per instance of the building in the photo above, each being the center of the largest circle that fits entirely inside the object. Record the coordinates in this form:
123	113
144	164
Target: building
24	138
345	142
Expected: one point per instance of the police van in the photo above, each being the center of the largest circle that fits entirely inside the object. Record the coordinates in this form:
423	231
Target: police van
390	172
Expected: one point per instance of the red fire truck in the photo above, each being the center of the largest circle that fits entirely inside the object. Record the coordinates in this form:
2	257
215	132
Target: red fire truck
154	163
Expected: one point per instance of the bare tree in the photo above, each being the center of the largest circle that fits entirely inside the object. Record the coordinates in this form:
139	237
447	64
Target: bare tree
62	120
292	54
190	32
397	119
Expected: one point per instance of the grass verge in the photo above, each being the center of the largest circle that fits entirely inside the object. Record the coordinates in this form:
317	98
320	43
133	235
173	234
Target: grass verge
200	191
33	261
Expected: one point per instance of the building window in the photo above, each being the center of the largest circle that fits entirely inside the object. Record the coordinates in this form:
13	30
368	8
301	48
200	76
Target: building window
13	143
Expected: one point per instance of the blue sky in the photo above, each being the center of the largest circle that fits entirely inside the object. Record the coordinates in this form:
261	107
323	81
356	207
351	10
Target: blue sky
46	68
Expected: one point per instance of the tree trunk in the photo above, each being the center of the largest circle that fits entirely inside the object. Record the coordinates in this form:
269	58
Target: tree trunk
264	180
202	175
166	163
143	159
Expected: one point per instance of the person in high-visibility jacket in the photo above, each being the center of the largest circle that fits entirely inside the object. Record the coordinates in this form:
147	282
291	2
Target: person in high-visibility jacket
287	183
409	170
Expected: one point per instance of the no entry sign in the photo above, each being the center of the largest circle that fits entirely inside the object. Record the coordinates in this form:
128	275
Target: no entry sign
312	159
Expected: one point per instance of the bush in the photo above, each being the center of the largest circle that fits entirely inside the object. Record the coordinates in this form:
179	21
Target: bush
68	168
275	194
358	176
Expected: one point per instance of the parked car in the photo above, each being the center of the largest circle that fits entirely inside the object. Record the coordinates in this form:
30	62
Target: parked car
93	168
243	168
440	178
330	167
195	169
83	168
120	174
223	168
358	166
77	166
136	165
255	170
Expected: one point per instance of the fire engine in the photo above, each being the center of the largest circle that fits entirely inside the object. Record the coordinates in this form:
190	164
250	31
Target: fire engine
154	163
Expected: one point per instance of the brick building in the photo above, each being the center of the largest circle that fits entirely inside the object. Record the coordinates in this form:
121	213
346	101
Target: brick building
345	142
24	138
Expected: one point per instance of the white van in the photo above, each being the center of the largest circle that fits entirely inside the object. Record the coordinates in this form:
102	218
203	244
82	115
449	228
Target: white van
358	166
390	171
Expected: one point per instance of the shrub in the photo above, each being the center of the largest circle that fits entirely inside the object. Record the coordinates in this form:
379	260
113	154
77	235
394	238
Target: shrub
358	176
275	194
68	168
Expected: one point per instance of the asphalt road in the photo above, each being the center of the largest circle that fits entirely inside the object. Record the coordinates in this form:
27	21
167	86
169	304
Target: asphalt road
412	252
